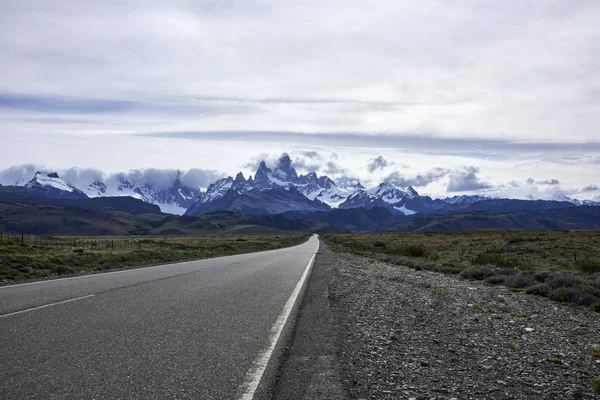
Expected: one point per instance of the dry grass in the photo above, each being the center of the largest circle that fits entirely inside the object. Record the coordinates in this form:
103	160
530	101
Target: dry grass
561	265
22	262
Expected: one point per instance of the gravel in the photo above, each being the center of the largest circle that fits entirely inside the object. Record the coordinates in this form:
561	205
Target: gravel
406	334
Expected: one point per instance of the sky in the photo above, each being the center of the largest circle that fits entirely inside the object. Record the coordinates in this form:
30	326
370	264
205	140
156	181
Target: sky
499	98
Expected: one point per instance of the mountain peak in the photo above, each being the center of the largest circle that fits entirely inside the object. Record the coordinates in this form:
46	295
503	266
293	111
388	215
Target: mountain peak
284	161
240	177
412	191
49	184
49	174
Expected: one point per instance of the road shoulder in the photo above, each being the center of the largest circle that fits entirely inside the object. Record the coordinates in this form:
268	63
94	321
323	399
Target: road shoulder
310	369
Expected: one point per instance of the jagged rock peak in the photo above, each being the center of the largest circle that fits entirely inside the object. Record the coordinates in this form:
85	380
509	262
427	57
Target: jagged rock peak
240	177
49	174
412	191
285	163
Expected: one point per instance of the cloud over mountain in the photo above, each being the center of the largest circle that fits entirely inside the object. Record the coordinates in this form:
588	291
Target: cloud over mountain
466	180
377	163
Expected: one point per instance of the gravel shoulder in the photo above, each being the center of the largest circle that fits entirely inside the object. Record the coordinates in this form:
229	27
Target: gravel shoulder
397	333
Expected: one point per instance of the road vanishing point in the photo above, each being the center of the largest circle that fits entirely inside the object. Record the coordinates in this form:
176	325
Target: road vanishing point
194	330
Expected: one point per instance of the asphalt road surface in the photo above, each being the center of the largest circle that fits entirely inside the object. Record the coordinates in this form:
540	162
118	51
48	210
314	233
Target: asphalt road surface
188	330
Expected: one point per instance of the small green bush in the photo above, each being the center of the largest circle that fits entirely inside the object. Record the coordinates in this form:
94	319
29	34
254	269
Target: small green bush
589	266
596	306
498	259
596	385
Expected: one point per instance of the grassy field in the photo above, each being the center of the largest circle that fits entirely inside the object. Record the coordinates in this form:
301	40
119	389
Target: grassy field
561	265
47	257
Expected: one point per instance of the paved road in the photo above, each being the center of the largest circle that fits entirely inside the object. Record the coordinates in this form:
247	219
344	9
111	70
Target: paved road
188	330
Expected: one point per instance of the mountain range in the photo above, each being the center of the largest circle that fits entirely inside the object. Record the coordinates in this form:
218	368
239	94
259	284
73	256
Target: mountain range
279	190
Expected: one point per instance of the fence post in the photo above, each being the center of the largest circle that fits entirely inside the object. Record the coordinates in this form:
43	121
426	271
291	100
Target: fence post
22	242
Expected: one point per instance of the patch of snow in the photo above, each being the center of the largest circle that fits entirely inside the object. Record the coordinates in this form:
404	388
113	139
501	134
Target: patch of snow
171	208
55	182
405	210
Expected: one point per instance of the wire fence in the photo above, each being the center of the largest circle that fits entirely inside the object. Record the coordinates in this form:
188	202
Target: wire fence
523	256
57	242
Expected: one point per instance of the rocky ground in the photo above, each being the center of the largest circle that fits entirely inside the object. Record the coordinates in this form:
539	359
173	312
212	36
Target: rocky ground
406	334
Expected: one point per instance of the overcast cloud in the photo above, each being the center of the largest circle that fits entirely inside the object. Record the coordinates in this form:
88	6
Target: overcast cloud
509	88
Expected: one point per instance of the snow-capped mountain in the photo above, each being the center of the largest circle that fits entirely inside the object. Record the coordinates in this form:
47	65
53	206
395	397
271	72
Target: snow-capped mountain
385	195
274	189
49	184
465	199
175	198
563	197
283	175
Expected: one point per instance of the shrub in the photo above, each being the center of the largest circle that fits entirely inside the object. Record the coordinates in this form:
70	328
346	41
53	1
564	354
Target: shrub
478	272
379	244
497	259
596	385
541	289
495	280
429	266
576	295
78	251
447	268
518	281
409	251
563	280
61	269
589	266
596	306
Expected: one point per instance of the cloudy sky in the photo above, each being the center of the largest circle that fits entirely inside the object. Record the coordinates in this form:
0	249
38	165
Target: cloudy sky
498	97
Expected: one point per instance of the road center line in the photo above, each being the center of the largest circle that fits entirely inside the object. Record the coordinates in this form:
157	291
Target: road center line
46	305
256	371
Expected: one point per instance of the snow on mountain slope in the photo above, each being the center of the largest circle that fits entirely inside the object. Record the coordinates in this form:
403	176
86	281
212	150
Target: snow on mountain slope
49	184
405	210
563	197
385	195
223	186
465	199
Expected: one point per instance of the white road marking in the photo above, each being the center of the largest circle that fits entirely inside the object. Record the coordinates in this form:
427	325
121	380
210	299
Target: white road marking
256	371
46	305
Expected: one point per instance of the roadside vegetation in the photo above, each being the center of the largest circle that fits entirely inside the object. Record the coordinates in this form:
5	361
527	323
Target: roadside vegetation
47	257
561	265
